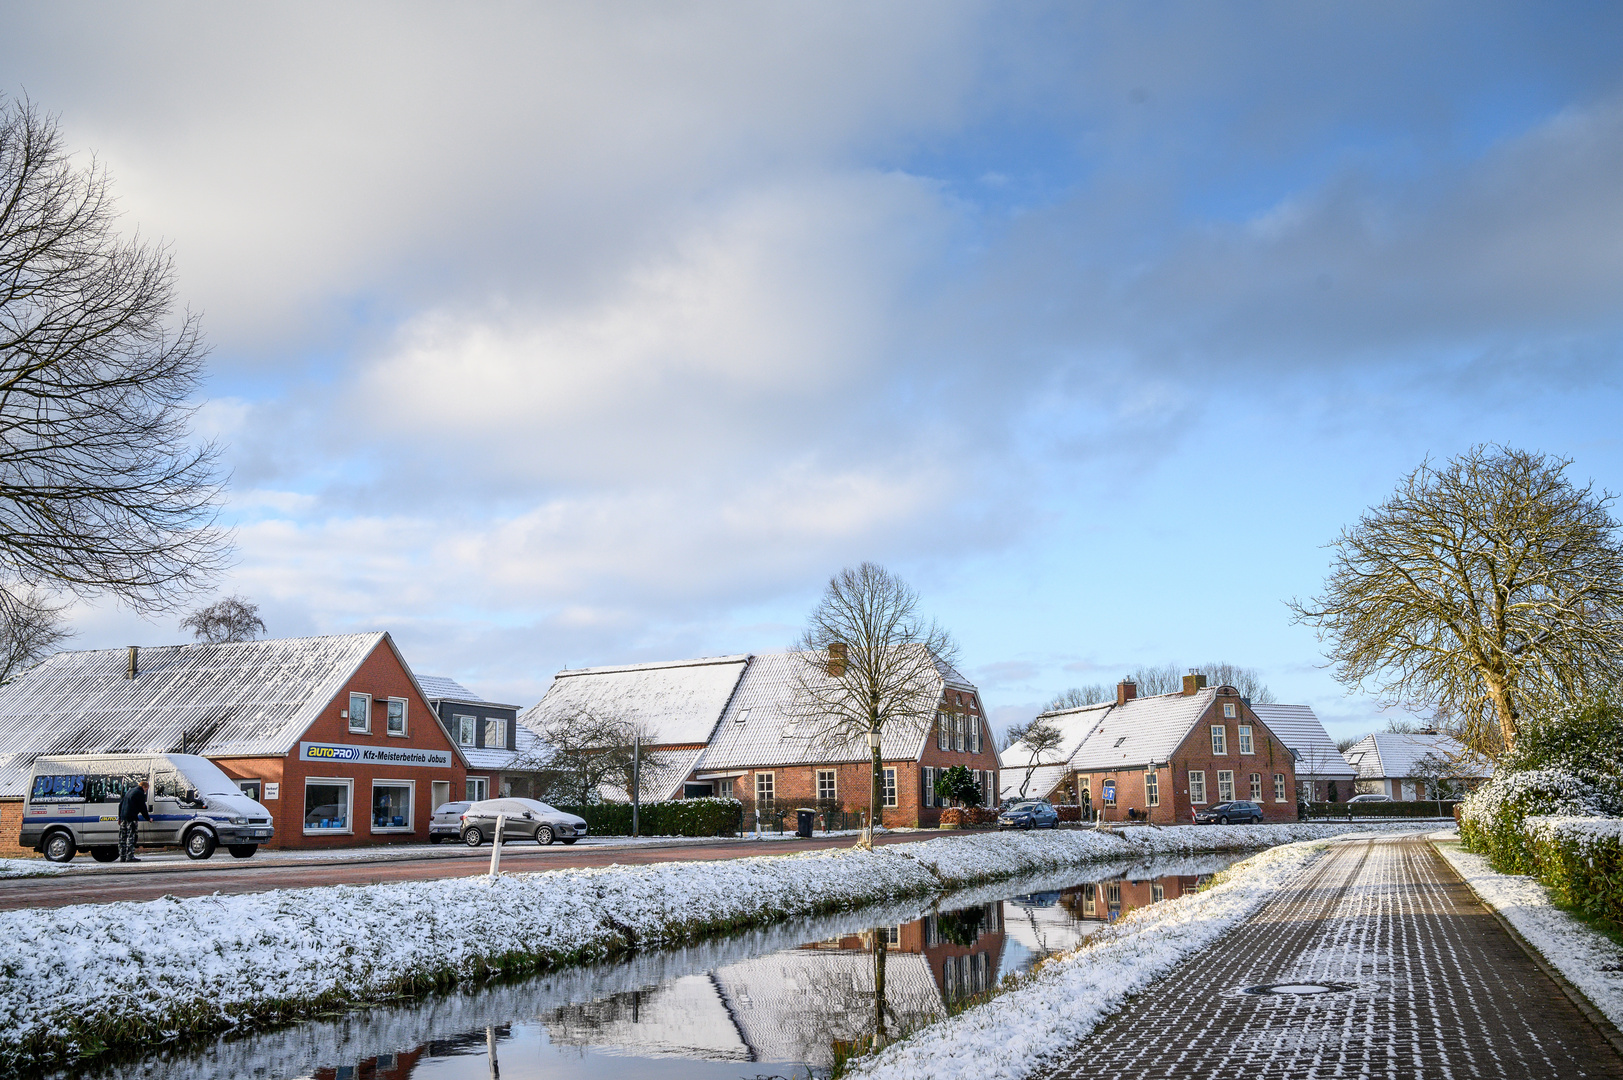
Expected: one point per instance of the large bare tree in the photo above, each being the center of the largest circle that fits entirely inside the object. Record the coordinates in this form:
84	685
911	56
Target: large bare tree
868	661
1479	587
1038	737
233	618
102	488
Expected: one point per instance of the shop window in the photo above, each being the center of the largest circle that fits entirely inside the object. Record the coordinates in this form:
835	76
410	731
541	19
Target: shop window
1225	785
889	793
327	805
360	713
1197	785
495	734
391	805
477	789
1245	739
465	729
397	716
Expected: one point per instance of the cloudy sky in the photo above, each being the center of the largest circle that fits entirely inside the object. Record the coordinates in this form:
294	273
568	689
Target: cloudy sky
584	334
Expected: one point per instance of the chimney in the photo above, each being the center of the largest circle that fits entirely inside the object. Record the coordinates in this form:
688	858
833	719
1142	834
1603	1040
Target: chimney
1192	682
1126	691
133	668
836	659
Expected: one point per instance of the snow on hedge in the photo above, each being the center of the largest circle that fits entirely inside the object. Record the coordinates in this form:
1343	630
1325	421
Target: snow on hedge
1588	959
139	972
10	868
1067	996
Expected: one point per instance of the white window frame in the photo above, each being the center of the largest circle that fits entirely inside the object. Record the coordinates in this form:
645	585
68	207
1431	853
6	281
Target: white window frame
1256	787
770	787
467	730
483	789
927	782
434	789
1247	743
833	776
411	806
388	719
1225	785
365	727
1279	787
957	733
501	725
943	731
1228	710
1220	739
974	734
887	792
1152	787
1158	892
1197	787
349	816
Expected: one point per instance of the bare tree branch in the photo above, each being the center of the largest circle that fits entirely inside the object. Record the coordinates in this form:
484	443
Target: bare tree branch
1038	738
30	630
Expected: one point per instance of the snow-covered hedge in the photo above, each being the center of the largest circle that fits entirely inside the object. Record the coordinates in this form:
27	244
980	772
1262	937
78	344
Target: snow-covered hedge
1491	818
1581	860
75	981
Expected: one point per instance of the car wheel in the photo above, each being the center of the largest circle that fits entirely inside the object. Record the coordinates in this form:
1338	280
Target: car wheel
59	847
200	844
472	836
543	835
104	854
569	840
242	851
1222	821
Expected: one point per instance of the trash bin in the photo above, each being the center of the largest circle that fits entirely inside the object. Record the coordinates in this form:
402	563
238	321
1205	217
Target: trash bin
804	820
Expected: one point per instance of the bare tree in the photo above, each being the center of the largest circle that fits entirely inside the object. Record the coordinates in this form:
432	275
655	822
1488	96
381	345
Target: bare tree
581	751
1247	680
230	619
1038	738
868	661
1150	680
30	630
101	488
1479	587
1077	697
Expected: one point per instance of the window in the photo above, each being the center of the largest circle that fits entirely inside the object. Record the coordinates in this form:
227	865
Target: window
763	790
742	717
1197	785
360	713
1109	791
397	716
1158	892
1119	741
958	732
326	806
1152	788
1245	739
889	792
1256	787
1228	710
1225	785
927	781
943	733
391	805
974	734
477	789
495	734
1279	787
250	788
1220	739
465	729
826	790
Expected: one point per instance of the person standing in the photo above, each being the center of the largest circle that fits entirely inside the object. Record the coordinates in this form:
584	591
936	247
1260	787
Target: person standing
131	809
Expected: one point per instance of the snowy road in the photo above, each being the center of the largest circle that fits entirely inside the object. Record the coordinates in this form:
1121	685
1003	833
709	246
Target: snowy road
1434	989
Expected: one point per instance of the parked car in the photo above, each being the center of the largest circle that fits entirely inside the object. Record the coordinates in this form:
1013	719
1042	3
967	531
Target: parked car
1230	813
446	822
1370	798
1028	814
526	819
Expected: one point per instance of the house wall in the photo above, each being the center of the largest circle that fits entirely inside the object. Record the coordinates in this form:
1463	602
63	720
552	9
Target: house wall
968	704
11	826
382	676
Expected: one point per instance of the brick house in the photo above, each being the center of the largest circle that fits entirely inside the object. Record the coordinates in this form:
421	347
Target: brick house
499	750
333	734
1160	757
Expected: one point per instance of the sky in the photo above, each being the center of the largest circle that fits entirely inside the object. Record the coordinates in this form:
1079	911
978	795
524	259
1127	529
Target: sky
580	334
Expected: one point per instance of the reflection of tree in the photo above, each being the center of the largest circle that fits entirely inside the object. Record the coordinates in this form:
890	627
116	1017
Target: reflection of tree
961	927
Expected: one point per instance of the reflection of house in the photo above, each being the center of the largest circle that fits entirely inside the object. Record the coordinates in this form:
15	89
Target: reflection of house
1161	757
1322	774
1401	765
489	735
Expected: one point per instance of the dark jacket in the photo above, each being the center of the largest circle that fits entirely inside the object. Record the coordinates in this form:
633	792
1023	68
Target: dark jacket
133	806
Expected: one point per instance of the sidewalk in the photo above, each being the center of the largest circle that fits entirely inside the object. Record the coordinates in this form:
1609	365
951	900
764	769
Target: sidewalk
1425	984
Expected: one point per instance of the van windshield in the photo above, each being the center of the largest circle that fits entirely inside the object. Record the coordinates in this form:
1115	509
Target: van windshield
204	775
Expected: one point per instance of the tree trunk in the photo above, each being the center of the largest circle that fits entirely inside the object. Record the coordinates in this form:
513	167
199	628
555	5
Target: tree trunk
880	940
875	785
1499	694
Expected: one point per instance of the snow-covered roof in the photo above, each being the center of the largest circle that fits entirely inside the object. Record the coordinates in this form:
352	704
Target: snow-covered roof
441	688
1074	727
684	1017
1392	756
660	775
760	726
526	750
1044	779
672	704
1143	730
1300	730
245	698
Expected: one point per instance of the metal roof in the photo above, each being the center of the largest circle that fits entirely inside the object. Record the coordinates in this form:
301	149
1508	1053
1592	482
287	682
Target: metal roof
437	688
1044	779
1300	730
672	704
1143	730
1392	756
525	752
241	699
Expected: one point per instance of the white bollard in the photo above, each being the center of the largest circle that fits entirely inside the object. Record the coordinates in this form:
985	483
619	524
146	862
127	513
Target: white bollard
496	846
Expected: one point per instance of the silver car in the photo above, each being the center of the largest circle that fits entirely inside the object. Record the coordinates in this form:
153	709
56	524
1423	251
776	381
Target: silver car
446	824
525	819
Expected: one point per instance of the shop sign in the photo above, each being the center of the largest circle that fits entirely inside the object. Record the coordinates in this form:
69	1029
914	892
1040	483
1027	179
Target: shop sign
324	753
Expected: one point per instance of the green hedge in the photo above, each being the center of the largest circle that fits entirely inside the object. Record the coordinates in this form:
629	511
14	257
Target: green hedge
1581	860
1425	808
1493	817
678	817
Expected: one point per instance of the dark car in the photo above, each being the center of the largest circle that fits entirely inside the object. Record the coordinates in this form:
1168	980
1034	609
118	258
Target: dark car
1230	813
1028	814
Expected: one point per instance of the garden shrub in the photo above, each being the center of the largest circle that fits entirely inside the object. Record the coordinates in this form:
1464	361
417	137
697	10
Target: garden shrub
1581	860
676	817
1492	817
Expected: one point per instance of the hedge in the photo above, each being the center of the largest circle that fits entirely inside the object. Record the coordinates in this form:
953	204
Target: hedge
1492	817
1344	811
1581	860
677	817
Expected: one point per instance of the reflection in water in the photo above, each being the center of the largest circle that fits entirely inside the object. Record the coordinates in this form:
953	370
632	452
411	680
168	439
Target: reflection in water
784	1000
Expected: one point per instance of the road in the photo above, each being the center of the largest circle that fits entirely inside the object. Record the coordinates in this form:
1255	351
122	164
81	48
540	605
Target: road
94	883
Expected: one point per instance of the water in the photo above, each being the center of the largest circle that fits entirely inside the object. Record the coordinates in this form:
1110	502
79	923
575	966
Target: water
771	1002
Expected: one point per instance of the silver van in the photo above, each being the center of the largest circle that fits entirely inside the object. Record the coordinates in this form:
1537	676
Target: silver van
72	806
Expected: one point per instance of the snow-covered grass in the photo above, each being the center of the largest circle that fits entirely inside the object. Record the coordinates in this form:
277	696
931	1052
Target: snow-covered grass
77	980
1587	958
28	868
1066	996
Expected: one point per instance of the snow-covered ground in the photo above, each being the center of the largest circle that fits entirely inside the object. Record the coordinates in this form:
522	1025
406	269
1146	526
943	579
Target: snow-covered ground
28	868
1068	995
140	972
1586	958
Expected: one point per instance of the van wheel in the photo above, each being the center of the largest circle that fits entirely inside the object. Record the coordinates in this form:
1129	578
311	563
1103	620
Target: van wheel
472	836
59	847
242	851
104	854
200	844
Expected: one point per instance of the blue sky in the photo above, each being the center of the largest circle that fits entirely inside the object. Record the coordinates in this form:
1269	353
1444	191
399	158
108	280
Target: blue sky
602	333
